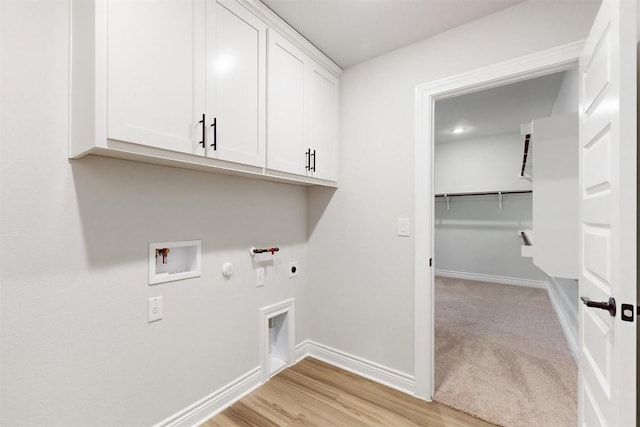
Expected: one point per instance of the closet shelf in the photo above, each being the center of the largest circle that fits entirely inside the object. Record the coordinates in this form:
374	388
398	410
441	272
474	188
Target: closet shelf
483	193
447	196
526	250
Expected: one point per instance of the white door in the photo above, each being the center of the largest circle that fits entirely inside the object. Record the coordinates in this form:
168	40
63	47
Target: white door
236	83
323	123
286	107
607	377
155	73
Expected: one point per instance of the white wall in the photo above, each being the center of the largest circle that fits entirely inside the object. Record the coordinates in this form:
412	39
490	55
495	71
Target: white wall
76	348
474	237
565	297
567	99
75	345
480	164
362	287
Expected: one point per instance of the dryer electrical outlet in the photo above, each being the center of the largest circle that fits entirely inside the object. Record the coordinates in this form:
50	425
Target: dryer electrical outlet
293	269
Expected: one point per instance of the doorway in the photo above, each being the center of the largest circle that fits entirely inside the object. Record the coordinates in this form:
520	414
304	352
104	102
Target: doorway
607	62
500	351
554	60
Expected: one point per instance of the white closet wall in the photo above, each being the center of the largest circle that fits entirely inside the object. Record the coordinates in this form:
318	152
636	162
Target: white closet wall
474	238
567	100
564	292
480	164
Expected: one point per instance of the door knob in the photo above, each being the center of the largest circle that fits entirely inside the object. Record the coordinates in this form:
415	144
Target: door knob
610	305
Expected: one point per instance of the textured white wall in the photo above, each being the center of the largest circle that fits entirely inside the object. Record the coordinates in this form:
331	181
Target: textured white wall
479	164
362	285
76	348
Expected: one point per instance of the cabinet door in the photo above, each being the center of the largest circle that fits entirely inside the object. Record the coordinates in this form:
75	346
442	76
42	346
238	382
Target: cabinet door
286	106
236	83
323	123
156	73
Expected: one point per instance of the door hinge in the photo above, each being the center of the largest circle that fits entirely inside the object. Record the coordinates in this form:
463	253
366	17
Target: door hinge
628	312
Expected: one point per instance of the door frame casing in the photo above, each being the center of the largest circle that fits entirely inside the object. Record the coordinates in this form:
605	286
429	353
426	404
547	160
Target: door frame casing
538	64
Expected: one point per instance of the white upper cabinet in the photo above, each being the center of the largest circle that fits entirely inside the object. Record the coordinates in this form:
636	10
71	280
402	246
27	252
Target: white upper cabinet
303	113
323	123
236	83
286	106
155	73
184	83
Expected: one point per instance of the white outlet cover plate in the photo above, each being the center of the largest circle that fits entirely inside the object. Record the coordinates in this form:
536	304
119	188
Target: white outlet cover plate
154	309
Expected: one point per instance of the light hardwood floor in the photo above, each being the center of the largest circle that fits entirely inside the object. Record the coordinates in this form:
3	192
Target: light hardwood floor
313	393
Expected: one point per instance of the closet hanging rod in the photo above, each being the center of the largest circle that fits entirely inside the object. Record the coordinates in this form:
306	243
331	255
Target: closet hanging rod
488	193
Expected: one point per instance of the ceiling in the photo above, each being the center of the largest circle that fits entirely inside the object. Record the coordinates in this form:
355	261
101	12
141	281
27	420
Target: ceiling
496	111
352	31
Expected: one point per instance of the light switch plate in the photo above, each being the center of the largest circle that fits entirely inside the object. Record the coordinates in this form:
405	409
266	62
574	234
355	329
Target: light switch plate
154	309
260	277
403	227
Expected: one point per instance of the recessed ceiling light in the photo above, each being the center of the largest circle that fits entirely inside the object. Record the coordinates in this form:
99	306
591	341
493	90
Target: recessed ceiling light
458	129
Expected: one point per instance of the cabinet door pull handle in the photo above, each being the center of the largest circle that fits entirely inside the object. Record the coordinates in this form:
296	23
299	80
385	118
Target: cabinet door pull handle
307	156
203	132
215	134
314	161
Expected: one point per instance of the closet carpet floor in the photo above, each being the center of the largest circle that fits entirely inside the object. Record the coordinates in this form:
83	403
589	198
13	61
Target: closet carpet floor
501	355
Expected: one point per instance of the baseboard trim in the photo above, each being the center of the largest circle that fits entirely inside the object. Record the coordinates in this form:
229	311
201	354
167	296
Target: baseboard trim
302	350
562	318
216	402
365	368
493	279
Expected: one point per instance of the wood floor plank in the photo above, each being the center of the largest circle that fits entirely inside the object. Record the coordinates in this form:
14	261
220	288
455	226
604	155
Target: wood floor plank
315	394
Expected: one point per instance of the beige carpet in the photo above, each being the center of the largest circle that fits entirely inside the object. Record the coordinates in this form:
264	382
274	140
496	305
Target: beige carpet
501	355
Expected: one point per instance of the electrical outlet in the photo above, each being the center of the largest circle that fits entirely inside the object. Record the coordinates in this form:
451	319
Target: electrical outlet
154	309
293	269
260	276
